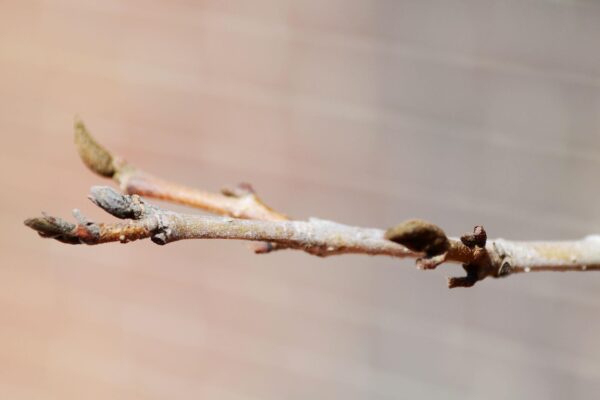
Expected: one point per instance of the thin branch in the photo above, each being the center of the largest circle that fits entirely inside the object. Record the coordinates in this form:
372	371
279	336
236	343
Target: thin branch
480	258
143	220
238	202
249	218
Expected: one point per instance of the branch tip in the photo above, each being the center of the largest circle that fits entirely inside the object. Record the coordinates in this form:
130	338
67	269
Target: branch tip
55	228
93	155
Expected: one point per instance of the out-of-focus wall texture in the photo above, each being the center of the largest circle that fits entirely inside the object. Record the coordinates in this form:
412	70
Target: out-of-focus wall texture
364	112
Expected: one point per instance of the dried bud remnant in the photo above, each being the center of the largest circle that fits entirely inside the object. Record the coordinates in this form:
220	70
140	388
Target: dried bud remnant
465	281
477	238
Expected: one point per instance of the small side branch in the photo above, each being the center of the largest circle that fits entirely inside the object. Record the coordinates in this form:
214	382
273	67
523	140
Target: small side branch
238	202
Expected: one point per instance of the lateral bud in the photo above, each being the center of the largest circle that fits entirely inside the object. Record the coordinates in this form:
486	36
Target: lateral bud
420	236
117	204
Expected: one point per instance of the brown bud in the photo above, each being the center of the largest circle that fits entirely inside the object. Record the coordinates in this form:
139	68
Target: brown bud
93	155
419	236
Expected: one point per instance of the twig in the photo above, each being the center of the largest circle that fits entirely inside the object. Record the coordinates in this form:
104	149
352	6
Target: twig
322	238
317	237
424	241
238	202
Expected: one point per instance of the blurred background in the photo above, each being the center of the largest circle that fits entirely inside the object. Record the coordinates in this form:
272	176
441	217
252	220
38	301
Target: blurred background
363	112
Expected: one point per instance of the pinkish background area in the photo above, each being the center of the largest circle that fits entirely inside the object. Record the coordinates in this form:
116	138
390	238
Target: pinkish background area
364	112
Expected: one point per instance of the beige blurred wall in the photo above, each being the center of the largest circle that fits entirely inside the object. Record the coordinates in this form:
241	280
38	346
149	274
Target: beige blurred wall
365	112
